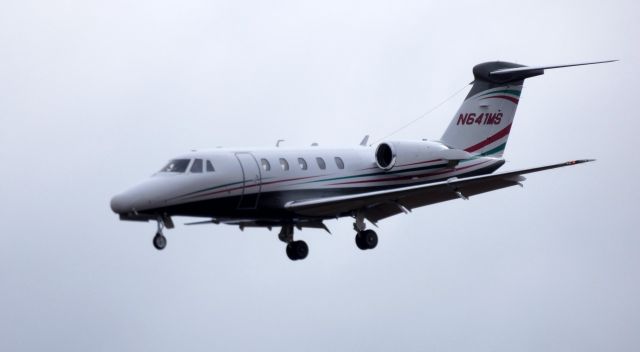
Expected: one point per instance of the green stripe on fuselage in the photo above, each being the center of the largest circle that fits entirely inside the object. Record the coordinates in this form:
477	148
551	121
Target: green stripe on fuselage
209	189
379	173
385	173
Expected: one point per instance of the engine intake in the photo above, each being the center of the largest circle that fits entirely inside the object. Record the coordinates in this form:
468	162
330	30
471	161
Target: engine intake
385	156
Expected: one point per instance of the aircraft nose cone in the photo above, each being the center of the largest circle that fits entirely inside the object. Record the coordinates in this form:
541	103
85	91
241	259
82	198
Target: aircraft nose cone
120	204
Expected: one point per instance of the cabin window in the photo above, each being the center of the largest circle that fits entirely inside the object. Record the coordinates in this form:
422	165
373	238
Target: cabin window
284	165
302	163
176	165
196	167
321	164
210	166
339	162
265	164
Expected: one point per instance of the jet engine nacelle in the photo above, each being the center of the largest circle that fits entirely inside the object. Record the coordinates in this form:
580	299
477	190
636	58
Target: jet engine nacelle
390	154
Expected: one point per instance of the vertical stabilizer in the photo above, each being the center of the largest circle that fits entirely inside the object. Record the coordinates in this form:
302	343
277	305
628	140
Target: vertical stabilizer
482	124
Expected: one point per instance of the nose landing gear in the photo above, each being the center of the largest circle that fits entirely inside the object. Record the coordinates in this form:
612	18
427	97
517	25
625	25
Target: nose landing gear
159	241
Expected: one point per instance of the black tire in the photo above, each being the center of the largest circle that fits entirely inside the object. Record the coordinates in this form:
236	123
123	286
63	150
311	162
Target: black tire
159	241
301	249
360	242
370	239
290	252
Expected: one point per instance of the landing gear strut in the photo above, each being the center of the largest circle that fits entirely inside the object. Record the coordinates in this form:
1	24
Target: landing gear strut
159	241
296	250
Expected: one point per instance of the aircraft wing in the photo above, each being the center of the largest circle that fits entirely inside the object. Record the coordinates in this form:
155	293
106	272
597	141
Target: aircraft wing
244	223
378	205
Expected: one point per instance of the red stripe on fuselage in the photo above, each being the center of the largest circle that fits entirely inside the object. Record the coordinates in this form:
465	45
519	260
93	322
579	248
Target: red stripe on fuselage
419	162
409	177
254	185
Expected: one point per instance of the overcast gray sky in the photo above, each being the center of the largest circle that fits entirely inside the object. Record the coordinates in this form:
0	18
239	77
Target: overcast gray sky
96	95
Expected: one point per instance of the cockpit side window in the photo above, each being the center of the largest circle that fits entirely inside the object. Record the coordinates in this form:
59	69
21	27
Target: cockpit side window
176	165
210	166
196	167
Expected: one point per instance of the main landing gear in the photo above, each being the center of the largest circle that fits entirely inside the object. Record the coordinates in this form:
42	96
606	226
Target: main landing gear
296	250
365	239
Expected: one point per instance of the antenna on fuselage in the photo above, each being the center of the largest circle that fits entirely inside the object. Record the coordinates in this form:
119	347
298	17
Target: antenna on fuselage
278	142
364	141
434	108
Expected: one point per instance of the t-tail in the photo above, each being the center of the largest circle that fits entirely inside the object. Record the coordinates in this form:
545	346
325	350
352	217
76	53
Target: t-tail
482	124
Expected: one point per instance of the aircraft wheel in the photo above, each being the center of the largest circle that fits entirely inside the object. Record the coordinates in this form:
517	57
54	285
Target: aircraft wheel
290	253
159	241
297	250
367	239
370	238
359	242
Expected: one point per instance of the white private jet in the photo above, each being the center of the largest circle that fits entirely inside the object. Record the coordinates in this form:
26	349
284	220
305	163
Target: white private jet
300	188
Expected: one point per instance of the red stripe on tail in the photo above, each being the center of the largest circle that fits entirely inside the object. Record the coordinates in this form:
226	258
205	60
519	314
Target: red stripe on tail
503	132
505	97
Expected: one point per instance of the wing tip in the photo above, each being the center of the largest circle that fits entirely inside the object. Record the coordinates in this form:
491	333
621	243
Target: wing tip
579	161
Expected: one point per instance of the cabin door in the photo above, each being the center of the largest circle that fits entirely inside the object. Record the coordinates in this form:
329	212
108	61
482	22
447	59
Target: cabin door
252	181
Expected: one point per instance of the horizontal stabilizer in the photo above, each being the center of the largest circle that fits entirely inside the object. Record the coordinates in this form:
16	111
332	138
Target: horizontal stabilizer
531	68
518	73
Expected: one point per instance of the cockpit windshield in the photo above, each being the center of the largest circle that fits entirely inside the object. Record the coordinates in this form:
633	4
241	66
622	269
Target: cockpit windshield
176	165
